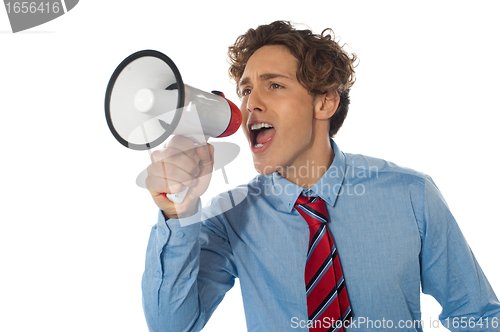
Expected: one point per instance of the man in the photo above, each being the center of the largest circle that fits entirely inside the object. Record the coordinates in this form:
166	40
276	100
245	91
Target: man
384	231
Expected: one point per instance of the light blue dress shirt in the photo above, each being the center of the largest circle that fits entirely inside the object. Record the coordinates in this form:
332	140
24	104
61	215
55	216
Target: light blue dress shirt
394	234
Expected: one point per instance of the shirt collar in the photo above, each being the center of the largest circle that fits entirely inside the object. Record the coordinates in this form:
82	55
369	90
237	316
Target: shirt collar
328	187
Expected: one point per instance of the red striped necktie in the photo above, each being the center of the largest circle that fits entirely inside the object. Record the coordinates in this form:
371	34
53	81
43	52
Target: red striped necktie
327	301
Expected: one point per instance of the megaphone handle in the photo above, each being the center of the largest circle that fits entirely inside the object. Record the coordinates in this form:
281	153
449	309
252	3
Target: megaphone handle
178	198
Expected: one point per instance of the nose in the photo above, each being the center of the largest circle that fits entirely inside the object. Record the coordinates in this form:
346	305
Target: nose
254	102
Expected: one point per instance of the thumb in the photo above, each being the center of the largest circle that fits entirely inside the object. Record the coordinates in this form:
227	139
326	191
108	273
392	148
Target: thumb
206	154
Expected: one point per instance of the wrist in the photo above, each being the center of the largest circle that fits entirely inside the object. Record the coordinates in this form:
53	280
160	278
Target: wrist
186	209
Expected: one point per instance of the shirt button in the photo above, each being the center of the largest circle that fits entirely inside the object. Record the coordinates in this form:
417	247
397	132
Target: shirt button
180	234
163	231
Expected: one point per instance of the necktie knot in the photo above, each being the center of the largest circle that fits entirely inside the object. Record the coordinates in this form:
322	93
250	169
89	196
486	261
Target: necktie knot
313	209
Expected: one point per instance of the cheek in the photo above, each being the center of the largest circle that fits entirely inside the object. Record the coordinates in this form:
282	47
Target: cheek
244	120
244	114
299	119
243	106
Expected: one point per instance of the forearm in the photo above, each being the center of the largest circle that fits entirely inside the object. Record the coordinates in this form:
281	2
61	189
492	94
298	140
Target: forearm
169	286
450	272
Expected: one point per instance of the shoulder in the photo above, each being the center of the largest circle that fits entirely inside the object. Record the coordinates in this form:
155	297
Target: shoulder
358	165
385	179
387	176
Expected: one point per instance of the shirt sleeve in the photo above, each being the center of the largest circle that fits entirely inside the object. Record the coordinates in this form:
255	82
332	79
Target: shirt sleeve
188	271
449	270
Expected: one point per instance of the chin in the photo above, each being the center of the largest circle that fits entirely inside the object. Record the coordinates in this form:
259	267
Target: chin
264	167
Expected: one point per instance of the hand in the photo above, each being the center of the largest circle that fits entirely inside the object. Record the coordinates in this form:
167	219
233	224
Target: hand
179	164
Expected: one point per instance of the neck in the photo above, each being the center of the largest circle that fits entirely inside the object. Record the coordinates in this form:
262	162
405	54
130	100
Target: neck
307	171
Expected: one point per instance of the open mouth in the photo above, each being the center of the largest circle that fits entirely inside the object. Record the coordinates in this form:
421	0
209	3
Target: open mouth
261	133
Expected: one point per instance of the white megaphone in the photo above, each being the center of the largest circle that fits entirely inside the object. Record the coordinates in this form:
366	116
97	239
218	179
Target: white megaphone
146	102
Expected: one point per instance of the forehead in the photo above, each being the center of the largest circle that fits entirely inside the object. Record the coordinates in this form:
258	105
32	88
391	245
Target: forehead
270	59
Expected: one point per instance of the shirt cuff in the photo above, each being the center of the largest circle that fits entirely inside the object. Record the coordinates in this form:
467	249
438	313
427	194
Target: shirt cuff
180	230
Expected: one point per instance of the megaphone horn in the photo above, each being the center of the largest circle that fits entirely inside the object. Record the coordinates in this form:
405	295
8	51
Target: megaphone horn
147	101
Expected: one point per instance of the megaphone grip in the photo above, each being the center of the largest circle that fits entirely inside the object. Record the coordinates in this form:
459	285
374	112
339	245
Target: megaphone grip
178	198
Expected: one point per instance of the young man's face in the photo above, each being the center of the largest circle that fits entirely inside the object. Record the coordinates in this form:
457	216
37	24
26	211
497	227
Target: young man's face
272	96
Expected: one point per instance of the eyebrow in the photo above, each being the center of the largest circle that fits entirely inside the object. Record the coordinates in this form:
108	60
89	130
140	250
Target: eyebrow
263	77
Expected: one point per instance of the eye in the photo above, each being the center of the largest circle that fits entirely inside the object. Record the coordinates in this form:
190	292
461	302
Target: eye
276	86
245	92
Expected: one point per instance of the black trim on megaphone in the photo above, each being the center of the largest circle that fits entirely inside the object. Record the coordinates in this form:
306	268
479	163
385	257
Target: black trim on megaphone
173	86
169	128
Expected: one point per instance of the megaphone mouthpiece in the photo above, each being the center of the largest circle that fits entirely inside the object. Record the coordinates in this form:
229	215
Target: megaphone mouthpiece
155	101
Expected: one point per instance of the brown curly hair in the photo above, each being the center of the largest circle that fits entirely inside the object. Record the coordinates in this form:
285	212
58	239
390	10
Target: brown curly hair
323	64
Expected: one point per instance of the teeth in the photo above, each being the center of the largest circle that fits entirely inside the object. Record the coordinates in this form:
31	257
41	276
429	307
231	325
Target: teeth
257	126
258	145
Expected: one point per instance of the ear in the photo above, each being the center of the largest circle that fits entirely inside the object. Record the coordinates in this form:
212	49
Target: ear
326	105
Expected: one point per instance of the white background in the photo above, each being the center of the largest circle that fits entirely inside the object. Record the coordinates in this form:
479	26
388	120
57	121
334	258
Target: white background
74	226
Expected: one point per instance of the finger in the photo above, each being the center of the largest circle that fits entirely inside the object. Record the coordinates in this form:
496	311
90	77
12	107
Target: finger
178	144
206	168
180	161
206	164
183	144
168	152
172	172
205	152
157	185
